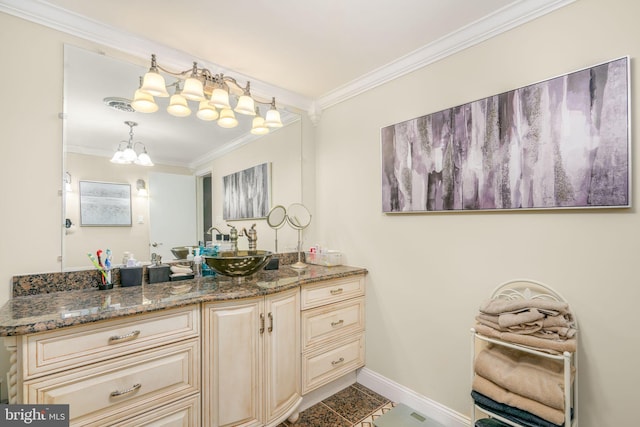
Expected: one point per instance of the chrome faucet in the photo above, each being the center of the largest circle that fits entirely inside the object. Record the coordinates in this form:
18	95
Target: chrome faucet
214	228
233	237
252	237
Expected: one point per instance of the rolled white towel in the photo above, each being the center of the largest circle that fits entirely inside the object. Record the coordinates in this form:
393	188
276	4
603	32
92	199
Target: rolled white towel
181	270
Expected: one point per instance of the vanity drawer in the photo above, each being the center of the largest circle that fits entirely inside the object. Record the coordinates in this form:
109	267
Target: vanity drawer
327	364
317	294
184	413
66	348
328	323
107	392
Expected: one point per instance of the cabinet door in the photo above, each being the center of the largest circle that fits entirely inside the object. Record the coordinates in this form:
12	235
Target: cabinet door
232	360
282	354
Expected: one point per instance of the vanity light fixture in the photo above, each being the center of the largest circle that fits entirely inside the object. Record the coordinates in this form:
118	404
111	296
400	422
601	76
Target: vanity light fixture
210	91
126	153
258	126
178	104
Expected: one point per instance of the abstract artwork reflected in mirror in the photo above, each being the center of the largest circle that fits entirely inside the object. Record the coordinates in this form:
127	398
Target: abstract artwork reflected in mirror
246	193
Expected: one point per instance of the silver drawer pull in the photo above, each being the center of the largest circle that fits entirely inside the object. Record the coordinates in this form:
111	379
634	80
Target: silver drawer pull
127	391
336	291
120	338
337	362
338	323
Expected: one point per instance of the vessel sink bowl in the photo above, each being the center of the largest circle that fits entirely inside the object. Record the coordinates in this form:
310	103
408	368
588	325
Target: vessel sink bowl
238	263
180	252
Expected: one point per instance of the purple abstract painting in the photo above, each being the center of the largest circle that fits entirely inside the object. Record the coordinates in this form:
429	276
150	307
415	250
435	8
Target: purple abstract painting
560	143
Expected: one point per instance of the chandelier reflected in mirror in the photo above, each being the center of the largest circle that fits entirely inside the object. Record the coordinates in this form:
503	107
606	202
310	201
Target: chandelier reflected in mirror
210	91
126	152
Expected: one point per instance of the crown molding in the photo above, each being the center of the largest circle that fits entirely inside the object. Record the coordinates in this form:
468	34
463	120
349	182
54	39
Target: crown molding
507	18
503	20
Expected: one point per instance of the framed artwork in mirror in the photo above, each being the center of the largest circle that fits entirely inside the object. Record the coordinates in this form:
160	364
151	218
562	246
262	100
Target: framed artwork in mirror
105	204
246	193
562	143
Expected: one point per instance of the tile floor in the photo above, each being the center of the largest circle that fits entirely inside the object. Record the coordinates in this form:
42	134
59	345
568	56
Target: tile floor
354	406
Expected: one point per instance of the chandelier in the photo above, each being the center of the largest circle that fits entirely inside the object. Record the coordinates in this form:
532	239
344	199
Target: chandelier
210	92
126	153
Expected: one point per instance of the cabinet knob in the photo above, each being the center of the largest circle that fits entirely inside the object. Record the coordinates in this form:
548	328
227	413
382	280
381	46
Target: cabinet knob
262	323
338	323
336	291
270	322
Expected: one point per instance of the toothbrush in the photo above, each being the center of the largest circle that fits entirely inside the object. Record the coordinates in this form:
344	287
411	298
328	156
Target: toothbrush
107	264
107	260
95	263
104	277
98	253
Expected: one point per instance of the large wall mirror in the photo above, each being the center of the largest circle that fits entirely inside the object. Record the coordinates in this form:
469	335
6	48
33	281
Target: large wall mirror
189	155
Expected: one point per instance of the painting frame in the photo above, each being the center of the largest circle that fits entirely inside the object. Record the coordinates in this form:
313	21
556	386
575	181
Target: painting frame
247	193
105	204
561	143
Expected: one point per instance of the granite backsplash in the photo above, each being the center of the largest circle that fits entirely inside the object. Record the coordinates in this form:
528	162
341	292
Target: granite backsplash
44	283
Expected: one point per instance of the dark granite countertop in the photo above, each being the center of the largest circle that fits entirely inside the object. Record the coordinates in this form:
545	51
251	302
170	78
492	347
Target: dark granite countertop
37	313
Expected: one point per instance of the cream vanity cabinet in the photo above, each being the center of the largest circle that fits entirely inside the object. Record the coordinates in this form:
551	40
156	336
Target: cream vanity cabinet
131	371
332	319
251	360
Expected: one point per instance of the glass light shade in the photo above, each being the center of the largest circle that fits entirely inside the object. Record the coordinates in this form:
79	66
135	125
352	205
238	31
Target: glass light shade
153	84
178	106
220	98
258	127
227	119
193	89
246	106
129	156
272	119
143	102
206	111
117	157
144	160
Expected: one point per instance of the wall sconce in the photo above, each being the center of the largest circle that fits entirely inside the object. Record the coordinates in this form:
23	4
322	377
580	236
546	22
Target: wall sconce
142	188
67	182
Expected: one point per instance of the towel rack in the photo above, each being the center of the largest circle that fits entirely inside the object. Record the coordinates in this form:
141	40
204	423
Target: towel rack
529	289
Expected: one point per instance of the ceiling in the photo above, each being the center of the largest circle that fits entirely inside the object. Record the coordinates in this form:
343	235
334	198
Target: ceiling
309	54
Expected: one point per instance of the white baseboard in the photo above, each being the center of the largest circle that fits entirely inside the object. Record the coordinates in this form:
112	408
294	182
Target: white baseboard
401	394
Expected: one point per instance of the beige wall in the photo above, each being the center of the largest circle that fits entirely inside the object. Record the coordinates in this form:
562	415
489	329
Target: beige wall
135	239
429	273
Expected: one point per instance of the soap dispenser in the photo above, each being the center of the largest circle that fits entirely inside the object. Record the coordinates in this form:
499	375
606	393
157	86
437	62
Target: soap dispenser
197	266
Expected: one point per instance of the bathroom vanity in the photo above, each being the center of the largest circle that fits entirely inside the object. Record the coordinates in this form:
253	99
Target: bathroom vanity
206	351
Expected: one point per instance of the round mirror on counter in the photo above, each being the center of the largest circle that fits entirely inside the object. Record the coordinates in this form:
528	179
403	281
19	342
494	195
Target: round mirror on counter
299	217
276	219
